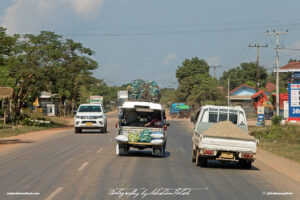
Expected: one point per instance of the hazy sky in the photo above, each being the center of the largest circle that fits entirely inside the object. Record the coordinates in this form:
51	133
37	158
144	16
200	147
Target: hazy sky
149	39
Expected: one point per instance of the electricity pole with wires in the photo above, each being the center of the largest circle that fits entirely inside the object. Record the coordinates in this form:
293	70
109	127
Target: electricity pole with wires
257	70
277	34
215	69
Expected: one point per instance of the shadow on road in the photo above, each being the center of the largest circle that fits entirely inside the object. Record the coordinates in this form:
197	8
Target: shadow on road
92	132
137	153
213	164
14	141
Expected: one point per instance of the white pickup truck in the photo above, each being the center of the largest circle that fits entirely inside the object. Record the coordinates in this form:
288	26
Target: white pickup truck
135	118
90	116
223	145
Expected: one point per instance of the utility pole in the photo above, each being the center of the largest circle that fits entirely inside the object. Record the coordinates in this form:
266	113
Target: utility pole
228	91
277	34
215	69
257	70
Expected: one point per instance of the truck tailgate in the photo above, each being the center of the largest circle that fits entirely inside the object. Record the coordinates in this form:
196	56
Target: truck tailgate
223	144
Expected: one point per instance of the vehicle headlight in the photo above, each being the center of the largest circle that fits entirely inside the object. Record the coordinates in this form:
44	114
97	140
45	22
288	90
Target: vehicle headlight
99	117
77	117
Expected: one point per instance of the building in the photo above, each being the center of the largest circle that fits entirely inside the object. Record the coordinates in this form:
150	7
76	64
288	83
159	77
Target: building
241	96
47	103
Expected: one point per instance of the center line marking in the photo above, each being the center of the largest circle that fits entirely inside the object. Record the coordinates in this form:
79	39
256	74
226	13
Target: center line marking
56	192
82	166
99	150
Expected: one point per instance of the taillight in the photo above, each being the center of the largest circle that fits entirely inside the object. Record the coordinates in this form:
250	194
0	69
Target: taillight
165	127
247	155
117	125
208	152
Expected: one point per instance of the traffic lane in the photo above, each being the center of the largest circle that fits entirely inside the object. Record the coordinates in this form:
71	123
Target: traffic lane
144	176
39	166
176	171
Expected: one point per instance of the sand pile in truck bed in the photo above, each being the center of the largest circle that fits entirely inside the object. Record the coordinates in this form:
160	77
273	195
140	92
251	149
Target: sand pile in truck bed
227	129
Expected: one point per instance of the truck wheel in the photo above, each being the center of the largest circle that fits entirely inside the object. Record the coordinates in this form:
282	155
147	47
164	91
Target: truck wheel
78	130
123	150
198	159
203	162
193	156
245	164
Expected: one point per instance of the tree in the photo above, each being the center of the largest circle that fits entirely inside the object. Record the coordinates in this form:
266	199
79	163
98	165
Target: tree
245	74
196	86
44	62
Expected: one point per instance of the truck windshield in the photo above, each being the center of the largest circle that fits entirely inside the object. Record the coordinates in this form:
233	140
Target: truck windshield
89	109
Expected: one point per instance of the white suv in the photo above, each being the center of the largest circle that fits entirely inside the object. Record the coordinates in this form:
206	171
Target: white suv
90	116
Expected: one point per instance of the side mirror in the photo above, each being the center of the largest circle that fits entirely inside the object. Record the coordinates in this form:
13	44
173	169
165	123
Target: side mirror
105	111
167	124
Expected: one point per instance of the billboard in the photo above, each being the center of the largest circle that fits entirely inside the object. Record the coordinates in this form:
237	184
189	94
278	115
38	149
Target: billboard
294	101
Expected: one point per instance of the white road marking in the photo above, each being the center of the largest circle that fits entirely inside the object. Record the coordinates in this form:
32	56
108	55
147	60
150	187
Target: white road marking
82	166
56	192
99	150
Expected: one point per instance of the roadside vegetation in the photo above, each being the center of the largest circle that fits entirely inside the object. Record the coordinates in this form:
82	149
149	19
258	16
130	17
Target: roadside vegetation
32	121
281	140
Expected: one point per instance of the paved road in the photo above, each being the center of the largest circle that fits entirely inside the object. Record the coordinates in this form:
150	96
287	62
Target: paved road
84	166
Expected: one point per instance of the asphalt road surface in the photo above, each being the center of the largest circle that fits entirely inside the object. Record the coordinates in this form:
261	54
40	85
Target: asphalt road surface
83	166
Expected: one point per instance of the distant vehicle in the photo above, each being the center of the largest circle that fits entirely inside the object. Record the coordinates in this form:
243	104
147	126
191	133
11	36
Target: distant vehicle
90	116
180	110
122	97
96	99
235	145
142	125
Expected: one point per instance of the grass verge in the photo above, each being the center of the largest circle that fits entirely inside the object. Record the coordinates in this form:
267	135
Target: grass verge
281	140
34	122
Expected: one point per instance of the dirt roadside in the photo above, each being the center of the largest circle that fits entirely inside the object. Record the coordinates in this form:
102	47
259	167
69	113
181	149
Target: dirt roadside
10	143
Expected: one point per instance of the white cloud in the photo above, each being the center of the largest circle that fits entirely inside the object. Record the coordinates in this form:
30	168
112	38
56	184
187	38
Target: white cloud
87	8
169	59
25	15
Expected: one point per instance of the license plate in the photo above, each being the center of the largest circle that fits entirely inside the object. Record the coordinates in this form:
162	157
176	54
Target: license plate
89	124
227	155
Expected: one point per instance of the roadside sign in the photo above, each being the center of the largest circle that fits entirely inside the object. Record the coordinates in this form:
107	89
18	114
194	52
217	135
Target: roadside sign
260	110
96	99
260	115
294	101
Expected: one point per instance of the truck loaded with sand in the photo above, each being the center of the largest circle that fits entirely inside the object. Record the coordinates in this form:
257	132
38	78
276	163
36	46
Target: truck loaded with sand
221	133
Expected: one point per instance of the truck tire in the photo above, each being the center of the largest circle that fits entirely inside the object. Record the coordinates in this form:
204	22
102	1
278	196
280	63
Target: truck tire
78	130
203	162
193	156
197	159
123	150
245	164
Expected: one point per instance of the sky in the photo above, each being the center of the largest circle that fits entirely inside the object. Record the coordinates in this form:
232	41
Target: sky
146	39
